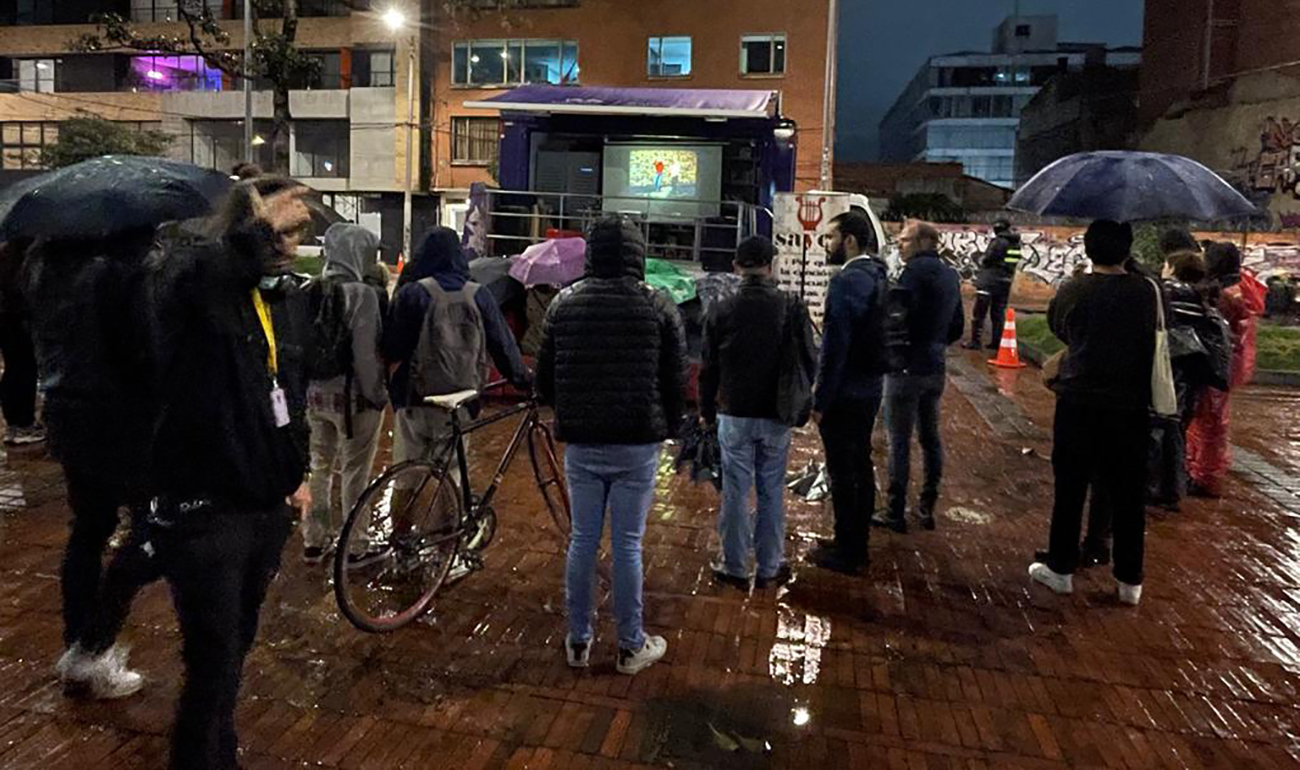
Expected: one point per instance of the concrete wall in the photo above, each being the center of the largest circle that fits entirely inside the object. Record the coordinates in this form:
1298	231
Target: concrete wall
374	161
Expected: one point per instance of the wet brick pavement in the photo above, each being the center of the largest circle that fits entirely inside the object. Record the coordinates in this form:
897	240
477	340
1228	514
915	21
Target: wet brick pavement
942	657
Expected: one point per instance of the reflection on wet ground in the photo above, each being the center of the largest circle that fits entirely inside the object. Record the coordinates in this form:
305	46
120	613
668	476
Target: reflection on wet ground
941	657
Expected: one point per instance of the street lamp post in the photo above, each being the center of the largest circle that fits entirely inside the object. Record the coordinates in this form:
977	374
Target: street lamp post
248	81
396	21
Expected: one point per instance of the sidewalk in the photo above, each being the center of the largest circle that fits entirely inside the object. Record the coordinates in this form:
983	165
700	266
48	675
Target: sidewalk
944	657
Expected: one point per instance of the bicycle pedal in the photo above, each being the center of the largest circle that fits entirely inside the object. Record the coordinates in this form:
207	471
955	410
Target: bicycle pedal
465	565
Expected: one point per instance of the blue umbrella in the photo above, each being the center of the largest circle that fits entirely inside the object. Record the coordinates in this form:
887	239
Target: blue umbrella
102	196
1130	186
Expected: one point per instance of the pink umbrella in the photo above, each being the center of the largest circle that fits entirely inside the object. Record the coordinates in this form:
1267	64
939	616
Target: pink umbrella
557	262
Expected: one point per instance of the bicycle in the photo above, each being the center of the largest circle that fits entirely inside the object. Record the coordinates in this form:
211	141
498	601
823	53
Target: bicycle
432	528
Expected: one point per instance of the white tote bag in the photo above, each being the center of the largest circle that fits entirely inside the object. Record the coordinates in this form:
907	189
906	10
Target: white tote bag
1164	398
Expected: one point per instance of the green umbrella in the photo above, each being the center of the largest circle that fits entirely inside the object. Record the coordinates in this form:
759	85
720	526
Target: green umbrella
662	274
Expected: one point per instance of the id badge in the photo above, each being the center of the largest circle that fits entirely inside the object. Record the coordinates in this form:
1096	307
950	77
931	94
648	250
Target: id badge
279	407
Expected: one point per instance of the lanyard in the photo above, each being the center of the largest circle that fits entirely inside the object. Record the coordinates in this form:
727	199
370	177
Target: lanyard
264	315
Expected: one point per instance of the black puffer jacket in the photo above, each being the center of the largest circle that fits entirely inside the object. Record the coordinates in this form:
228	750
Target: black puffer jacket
613	359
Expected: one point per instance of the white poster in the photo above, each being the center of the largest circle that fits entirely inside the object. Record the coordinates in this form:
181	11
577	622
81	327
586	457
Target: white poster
802	234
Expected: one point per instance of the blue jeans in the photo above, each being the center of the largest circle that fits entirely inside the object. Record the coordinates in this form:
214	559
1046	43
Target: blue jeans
912	404
754	453
620	478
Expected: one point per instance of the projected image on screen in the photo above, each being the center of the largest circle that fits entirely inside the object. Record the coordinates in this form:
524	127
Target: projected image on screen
660	173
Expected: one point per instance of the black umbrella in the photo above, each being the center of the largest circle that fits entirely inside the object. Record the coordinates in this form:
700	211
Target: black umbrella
102	196
494	273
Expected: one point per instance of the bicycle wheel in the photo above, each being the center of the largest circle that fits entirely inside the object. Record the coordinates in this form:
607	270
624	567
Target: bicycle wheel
408	522
550	478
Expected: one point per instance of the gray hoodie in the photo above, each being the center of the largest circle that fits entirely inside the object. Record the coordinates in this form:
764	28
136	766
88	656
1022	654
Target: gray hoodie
350	250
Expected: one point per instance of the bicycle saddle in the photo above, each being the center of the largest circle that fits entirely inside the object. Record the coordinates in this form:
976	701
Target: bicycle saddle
452	401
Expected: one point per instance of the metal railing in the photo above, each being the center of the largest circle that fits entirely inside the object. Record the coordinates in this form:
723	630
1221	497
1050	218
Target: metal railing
522	218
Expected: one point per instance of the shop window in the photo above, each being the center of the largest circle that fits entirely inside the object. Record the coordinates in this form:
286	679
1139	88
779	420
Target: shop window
669	57
36	75
500	63
320	148
762	55
21	143
475	141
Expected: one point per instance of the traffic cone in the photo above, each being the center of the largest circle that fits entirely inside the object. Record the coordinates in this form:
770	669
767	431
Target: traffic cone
1009	351
401	263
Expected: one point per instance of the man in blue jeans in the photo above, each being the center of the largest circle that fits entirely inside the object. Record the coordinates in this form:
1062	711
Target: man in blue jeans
934	321
613	364
745	339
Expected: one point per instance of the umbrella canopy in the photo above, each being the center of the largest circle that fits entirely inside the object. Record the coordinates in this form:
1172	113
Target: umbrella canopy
1130	186
664	275
494	273
557	262
102	196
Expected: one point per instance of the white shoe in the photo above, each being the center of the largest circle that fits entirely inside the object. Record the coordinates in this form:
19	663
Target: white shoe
630	662
1041	573
1130	594
104	676
579	655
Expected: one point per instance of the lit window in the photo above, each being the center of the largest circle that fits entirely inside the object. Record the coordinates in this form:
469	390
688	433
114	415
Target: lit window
36	75
669	57
174	73
373	69
496	63
21	143
475	141
321	148
762	55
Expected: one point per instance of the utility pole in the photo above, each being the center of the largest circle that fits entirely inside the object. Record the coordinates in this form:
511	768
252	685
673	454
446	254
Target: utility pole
248	81
828	97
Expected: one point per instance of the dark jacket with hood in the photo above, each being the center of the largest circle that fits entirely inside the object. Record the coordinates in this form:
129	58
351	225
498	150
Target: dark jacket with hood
217	437
440	257
613	359
350	250
89	329
999	263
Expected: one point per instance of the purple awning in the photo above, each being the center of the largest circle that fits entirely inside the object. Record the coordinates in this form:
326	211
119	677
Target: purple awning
676	102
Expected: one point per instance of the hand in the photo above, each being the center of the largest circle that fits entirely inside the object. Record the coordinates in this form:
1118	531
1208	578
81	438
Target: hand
300	500
284	211
816	417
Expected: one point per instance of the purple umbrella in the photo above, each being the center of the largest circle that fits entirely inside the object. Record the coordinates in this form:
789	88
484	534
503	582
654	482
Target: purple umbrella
557	262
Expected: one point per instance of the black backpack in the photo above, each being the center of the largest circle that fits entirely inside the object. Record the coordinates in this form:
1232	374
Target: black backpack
896	309
331	350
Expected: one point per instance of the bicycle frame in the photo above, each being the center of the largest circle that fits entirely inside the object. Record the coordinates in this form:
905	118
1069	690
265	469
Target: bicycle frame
524	429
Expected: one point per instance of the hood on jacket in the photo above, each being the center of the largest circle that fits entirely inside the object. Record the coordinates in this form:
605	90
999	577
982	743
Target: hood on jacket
350	250
438	256
616	249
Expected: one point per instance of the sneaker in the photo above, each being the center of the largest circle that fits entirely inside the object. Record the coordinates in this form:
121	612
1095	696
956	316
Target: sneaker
1041	573
32	434
578	653
314	554
925	518
372	555
783	575
1129	594
104	676
722	577
835	560
630	662
887	520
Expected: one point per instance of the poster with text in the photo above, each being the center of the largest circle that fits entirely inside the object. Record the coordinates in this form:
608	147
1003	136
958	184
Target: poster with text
801	235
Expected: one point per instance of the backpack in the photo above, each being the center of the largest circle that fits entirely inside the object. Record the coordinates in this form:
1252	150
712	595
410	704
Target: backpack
331	350
451	354
897	334
794	387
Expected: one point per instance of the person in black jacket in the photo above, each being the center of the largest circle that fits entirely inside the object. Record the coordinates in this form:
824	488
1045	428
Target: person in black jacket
230	331
934	321
18	385
746	335
849	385
613	364
993	284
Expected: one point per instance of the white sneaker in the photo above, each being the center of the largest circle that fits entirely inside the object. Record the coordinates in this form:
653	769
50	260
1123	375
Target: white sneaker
32	434
579	655
104	676
1129	594
630	662
1041	573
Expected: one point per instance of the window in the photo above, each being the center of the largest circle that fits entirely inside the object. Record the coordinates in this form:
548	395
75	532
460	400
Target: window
373	69
165	10
1022	30
173	73
496	63
218	144
36	75
328	73
326	7
669	57
475	140
762	55
21	143
321	148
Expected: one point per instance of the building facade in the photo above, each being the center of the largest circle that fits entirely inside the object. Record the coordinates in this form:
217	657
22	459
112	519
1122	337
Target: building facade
965	107
1094	109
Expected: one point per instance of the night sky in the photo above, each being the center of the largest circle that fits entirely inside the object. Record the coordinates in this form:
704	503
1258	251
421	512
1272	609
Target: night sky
883	42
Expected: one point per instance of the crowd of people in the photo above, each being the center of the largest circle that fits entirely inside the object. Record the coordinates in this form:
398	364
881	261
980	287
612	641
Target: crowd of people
191	377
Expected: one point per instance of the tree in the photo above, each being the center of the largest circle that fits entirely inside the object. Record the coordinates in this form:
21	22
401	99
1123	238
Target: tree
89	137
274	56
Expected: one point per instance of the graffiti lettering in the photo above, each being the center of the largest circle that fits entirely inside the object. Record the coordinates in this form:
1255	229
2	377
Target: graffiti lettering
1276	166
1047	258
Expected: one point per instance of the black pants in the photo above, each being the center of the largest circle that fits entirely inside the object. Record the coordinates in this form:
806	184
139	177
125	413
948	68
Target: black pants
18	386
1106	447
912	406
220	564
846	433
993	304
96	601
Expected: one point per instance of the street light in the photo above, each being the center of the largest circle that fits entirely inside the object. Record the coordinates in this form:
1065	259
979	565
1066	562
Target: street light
396	21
